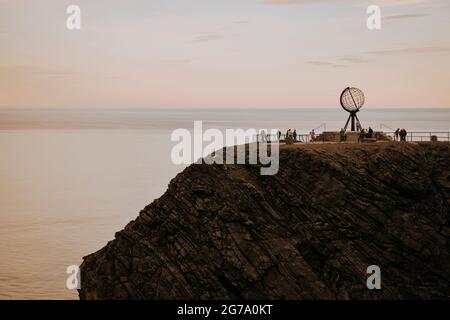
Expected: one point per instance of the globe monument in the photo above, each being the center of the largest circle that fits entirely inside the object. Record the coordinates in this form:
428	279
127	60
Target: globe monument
352	100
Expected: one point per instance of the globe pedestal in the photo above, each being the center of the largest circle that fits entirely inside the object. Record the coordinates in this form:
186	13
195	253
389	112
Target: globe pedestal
335	136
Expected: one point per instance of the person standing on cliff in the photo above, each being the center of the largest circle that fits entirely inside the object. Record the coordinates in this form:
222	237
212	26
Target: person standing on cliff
342	135
361	135
287	134
294	135
358	125
400	133
397	134
313	135
403	134
289	139
263	137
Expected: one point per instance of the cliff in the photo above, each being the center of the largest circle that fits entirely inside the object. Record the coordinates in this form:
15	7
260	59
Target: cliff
309	232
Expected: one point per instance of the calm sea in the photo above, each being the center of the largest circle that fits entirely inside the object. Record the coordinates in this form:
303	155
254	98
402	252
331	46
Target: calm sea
70	179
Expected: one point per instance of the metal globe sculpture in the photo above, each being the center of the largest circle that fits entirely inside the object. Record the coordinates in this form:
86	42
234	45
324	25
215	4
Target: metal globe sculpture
352	100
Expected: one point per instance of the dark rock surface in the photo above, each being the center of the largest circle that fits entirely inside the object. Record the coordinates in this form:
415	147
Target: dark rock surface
310	232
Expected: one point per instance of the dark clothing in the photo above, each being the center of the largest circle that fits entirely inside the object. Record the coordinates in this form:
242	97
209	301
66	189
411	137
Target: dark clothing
361	136
403	134
342	135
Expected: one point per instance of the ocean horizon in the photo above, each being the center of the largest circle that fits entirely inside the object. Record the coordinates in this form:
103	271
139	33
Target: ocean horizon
304	119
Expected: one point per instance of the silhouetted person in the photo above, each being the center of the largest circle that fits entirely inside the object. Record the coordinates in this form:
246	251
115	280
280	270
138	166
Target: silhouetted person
362	135
294	135
342	135
403	134
289	139
312	135
358	125
263	136
370	133
279	135
397	134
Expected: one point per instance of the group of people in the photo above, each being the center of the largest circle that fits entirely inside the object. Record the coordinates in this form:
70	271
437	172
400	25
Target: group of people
291	136
365	134
400	134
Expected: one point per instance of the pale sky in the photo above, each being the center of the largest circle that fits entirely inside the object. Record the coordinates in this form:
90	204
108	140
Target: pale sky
223	53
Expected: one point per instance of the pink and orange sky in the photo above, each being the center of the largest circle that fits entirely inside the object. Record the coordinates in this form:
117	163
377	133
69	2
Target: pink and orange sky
222	53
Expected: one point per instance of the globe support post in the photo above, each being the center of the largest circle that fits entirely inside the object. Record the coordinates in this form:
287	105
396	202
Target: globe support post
352	119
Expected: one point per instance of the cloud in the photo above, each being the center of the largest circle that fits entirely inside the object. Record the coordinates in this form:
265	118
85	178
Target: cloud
405	16
207	37
354	60
406	51
291	2
320	63
392	3
398	3
326	64
335	61
38	71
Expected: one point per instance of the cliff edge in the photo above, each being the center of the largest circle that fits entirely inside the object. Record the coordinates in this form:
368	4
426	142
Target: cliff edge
309	232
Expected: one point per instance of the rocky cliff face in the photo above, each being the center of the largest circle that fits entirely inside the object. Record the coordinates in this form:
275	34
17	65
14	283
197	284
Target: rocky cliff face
310	232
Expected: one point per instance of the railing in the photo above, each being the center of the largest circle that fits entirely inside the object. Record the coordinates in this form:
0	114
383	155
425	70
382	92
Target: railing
301	137
323	125
416	136
274	138
382	125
